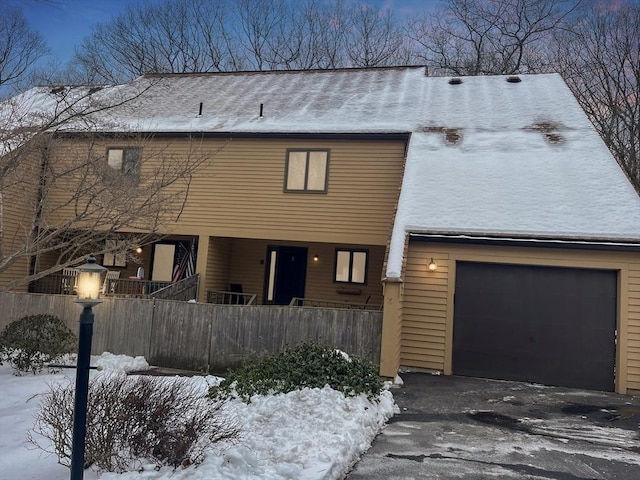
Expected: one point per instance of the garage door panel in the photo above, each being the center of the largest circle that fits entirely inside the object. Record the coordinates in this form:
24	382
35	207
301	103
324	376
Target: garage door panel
539	324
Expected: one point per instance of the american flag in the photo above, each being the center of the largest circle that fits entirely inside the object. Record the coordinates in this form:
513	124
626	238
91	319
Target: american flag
185	260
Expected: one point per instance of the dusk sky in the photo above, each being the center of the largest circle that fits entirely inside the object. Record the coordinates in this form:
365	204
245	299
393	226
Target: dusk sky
64	23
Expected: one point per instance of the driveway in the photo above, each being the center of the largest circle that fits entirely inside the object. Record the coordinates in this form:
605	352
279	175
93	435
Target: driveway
473	429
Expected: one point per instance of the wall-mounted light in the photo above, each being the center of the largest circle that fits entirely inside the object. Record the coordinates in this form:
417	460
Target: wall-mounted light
316	257
138	250
432	265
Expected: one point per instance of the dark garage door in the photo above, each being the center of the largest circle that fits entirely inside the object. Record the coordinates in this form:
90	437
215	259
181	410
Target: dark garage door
554	326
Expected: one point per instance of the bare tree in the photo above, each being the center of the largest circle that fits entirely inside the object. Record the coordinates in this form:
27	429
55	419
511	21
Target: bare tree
599	59
180	36
20	47
171	37
61	200
374	37
477	37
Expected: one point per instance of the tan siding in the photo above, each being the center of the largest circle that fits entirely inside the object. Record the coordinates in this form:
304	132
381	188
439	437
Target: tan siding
427	322
219	264
239	190
633	342
19	190
424	313
248	268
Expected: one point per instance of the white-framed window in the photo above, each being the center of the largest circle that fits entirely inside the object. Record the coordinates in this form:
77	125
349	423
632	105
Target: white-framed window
306	171
351	266
125	160
115	255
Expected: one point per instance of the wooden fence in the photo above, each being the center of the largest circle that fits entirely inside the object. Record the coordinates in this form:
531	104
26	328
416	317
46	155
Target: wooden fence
204	337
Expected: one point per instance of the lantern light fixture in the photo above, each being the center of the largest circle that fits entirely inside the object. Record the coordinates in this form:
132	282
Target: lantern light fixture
89	285
89	282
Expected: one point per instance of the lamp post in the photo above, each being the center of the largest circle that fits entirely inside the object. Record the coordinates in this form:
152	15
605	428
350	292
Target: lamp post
88	286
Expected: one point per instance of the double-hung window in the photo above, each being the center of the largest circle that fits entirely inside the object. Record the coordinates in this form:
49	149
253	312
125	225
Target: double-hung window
306	171
125	160
351	266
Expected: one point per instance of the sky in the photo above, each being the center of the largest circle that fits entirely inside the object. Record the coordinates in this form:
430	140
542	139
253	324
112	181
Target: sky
64	23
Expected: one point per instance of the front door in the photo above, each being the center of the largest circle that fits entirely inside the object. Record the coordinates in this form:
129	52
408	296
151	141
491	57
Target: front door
285	274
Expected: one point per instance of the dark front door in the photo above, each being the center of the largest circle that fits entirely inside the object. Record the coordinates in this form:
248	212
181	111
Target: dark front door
285	274
548	325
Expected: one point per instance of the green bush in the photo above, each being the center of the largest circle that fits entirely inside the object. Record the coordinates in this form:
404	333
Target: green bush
308	365
35	340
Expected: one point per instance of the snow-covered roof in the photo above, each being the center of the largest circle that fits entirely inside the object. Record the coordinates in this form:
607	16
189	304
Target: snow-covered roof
486	156
356	100
522	159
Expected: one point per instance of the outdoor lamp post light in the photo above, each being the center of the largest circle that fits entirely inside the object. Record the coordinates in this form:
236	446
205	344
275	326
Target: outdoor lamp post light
89	281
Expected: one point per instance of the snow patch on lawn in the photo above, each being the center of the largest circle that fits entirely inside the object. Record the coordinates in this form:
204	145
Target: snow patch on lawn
304	435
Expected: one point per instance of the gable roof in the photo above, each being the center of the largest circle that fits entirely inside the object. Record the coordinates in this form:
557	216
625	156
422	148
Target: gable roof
487	156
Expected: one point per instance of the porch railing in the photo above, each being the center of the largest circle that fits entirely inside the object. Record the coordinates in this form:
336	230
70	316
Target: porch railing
57	284
60	284
183	290
130	287
310	302
230	298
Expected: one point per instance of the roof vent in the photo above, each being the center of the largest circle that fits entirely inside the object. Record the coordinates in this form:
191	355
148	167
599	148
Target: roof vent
455	81
514	79
452	136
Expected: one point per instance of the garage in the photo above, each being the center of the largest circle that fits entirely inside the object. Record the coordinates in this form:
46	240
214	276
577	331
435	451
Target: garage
548	325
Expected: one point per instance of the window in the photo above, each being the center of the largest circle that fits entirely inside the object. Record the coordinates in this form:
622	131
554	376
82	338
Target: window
125	160
115	254
306	171
351	266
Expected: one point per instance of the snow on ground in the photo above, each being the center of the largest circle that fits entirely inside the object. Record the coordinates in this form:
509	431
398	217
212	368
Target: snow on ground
308	434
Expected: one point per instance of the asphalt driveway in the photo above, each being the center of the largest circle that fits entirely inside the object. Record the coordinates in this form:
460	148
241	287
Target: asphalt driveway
472	429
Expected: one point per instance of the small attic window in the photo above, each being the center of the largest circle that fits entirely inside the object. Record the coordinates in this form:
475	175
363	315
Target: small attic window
455	81
56	90
514	79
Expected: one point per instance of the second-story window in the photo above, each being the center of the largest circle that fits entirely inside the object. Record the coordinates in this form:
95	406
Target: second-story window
306	171
125	160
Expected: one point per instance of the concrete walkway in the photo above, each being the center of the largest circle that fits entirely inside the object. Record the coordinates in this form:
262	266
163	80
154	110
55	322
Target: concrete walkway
476	429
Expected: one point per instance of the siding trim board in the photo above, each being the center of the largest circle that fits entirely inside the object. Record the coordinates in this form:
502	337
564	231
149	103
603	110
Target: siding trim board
427	303
402	136
595	244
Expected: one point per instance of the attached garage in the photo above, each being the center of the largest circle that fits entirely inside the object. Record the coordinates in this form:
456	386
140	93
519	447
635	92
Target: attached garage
549	325
554	314
515	249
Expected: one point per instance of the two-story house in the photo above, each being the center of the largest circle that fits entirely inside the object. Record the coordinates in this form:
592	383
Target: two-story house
484	213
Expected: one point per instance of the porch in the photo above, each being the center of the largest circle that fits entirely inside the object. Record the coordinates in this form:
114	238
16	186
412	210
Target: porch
242	271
